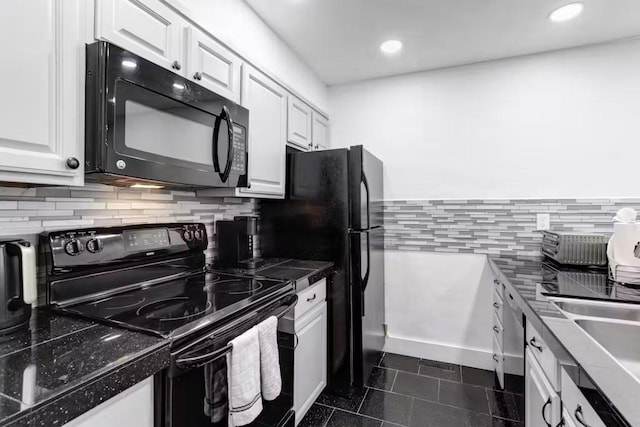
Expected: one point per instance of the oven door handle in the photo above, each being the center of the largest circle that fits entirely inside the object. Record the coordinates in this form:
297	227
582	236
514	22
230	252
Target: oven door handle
187	362
190	362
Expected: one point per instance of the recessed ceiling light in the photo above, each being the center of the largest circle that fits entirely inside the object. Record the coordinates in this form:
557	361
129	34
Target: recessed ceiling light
391	47
566	12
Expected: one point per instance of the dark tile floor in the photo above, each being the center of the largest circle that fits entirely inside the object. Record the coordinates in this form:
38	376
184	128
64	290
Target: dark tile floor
405	391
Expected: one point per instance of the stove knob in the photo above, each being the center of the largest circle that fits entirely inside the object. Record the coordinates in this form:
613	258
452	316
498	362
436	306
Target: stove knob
95	245
74	247
187	235
197	234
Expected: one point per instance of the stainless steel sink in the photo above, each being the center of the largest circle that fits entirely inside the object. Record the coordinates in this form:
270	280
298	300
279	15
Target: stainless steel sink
621	340
608	310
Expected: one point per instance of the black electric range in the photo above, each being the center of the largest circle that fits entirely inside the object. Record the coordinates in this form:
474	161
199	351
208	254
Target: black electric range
180	306
153	278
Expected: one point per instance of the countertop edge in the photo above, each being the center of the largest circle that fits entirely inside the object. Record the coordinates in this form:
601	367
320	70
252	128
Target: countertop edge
538	321
80	398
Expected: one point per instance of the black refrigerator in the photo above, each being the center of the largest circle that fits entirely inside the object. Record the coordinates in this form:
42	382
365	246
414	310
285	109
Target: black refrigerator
333	212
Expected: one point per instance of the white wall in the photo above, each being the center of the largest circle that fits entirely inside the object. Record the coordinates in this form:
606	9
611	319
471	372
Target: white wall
557	125
237	25
561	124
438	306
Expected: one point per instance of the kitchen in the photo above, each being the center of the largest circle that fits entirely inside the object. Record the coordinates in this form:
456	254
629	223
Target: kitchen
368	206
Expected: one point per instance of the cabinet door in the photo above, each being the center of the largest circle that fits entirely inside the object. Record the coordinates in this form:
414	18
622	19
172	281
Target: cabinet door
542	403
41	125
320	132
310	363
132	407
212	65
573	400
145	27
299	123
267	104
567	421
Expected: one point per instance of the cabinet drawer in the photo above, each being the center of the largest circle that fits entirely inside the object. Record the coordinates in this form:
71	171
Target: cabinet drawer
498	330
578	408
498	362
543	355
311	297
497	306
499	287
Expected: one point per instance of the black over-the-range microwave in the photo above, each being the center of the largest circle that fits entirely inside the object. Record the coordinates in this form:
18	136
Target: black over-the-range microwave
149	127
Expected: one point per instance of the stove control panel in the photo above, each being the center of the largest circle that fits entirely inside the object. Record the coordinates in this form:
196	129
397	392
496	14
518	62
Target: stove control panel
109	245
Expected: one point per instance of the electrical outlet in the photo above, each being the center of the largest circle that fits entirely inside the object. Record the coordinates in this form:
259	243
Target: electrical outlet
543	222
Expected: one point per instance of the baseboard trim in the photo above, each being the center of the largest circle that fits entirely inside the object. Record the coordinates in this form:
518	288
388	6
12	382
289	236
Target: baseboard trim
473	357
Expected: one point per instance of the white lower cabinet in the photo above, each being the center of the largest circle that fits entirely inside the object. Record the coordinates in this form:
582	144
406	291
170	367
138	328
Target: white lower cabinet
577	410
310	361
542	402
132	407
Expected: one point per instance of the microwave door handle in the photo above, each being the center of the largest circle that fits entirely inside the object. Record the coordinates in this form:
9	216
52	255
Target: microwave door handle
214	144
230	148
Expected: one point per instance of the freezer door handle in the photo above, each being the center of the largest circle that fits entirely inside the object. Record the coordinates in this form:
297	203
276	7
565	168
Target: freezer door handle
366	190
365	278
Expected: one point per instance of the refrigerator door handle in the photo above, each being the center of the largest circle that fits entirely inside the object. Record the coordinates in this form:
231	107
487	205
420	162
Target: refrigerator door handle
366	188
365	279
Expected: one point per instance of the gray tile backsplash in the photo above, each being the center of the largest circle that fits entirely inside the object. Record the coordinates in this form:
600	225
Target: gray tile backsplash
27	212
491	226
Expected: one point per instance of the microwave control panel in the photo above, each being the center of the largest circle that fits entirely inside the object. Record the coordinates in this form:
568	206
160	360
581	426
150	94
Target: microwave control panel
239	165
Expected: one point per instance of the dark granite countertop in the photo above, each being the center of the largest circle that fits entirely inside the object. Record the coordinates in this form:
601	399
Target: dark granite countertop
610	389
302	272
62	367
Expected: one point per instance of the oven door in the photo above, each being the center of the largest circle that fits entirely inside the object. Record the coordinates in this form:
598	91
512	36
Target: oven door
195	385
159	126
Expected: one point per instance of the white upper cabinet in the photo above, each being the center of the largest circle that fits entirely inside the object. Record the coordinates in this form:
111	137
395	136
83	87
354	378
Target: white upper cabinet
320	132
42	102
300	123
212	65
267	104
147	28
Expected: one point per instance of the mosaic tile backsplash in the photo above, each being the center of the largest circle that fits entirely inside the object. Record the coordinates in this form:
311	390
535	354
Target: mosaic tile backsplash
27	212
491	226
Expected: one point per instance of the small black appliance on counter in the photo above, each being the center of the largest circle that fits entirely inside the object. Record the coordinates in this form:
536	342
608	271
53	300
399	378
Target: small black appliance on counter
17	284
235	243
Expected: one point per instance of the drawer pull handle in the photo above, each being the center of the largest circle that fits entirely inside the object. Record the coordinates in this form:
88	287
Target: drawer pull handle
496	329
544	407
312	298
533	344
496	305
580	416
495	357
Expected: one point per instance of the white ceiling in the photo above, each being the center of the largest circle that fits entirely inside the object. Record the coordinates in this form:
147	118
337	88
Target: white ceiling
340	39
